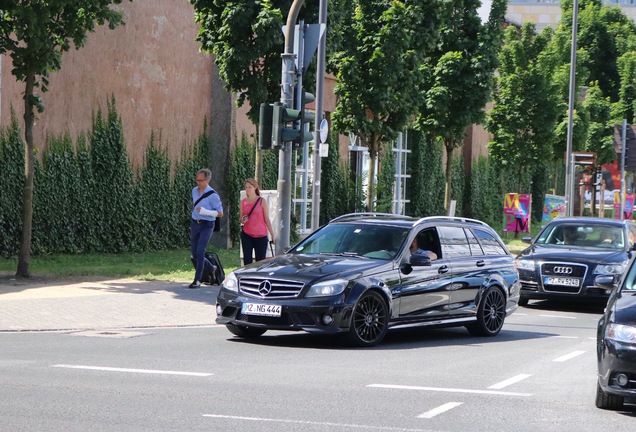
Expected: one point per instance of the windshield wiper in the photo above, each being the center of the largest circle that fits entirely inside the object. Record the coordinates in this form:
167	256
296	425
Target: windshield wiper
343	254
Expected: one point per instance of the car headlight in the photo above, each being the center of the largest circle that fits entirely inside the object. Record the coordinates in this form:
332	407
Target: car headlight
327	288
621	333
609	269
230	282
525	264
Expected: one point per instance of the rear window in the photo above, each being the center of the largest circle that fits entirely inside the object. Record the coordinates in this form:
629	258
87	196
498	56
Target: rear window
490	244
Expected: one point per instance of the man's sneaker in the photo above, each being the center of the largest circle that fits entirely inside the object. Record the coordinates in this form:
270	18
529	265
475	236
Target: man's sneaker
195	284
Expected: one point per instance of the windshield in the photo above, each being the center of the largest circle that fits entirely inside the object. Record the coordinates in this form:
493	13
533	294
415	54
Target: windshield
592	236
367	240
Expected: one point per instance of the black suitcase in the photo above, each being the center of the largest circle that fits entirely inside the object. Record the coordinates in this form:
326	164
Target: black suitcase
216	276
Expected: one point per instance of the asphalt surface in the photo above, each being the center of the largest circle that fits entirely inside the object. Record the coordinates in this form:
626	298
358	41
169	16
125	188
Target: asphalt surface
37	304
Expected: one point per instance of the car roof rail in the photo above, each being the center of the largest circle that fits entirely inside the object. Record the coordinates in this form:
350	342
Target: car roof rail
450	219
368	214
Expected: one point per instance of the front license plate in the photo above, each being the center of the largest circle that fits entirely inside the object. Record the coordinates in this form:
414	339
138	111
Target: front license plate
553	280
261	309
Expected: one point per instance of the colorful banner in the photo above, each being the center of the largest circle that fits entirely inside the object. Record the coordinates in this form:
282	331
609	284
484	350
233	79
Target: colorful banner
629	205
516	213
553	206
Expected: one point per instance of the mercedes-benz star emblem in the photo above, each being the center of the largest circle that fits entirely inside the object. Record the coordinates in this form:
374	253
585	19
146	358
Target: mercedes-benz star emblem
265	288
563	270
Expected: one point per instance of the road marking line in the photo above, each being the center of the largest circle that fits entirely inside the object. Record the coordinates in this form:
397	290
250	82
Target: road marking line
558	316
569	356
146	371
565	337
439	410
303	422
509	381
447	390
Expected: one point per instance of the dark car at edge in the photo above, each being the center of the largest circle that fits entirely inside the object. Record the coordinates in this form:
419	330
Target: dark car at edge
616	342
360	275
567	255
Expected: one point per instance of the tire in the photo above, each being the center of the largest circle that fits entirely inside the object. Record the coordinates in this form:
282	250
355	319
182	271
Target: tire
369	321
607	401
490	314
245	332
523	301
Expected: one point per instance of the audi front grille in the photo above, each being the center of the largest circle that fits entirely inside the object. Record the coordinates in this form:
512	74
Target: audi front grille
564	270
270	288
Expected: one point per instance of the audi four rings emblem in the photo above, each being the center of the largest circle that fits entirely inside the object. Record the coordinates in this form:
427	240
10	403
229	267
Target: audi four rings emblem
265	288
563	270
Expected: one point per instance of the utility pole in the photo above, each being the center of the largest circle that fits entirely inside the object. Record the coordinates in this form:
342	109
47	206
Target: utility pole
569	167
320	84
285	153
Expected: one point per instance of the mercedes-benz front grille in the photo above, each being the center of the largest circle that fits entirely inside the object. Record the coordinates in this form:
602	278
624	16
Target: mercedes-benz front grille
270	288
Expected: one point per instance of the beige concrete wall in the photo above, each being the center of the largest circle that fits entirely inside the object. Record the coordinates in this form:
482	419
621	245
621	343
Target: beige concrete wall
152	66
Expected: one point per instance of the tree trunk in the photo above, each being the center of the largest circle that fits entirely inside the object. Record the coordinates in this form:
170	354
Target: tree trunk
449	172
258	166
24	257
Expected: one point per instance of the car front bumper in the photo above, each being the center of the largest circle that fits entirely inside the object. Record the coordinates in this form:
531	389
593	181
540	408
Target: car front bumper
321	315
615	358
533	287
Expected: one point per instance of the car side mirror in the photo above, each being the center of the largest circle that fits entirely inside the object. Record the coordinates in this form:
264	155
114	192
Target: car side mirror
420	259
527	239
606	282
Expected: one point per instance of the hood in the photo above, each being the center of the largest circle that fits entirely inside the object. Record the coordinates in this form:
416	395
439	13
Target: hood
575	254
311	268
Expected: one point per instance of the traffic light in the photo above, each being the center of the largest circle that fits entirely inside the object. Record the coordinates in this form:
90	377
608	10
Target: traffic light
265	126
289	124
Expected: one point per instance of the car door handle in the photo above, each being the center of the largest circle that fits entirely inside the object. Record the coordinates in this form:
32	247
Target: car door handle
443	269
481	263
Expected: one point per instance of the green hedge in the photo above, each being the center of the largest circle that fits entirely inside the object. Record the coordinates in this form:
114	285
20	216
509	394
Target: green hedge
88	198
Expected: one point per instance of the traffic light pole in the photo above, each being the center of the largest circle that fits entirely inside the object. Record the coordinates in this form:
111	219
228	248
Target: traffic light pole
285	154
320	83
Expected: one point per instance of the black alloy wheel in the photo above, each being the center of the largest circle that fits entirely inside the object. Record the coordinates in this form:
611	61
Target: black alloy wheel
370	320
245	332
490	315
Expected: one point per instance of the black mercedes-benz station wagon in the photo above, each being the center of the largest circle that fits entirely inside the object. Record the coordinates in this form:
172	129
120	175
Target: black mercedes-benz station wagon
569	253
364	273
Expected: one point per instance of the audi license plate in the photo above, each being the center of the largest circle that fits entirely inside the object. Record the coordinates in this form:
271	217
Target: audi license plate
556	280
261	309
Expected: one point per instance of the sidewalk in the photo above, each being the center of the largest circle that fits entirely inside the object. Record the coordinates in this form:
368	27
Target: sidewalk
37	304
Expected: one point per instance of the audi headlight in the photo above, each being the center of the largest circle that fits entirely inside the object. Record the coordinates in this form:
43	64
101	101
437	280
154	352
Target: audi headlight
230	282
621	333
327	288
609	269
525	264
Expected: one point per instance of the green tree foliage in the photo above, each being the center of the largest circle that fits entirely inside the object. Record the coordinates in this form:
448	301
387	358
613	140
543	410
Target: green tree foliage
486	198
600	137
246	40
11	184
386	182
522	119
35	34
426	197
626	105
334	191
458	75
378	47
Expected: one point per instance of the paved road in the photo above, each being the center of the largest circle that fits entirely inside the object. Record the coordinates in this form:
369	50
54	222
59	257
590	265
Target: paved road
49	305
